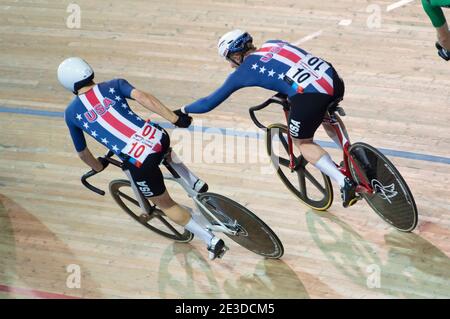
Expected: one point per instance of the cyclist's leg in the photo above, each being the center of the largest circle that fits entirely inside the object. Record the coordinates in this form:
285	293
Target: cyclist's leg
320	158
306	115
331	132
307	112
150	182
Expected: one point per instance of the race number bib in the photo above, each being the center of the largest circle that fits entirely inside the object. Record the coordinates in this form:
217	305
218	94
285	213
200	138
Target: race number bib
143	143
305	72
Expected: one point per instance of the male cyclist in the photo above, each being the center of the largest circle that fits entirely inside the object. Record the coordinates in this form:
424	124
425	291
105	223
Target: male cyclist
434	11
102	111
309	82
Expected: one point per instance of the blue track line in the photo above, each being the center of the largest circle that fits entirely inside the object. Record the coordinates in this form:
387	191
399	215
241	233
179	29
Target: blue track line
232	132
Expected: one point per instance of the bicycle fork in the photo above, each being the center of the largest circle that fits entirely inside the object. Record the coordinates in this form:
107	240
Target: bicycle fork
183	176
219	227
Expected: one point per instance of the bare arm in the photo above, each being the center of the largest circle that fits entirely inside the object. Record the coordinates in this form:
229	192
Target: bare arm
87	157
153	104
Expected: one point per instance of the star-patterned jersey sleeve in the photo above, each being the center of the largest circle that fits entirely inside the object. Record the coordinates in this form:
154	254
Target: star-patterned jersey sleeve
210	102
267	68
76	133
125	88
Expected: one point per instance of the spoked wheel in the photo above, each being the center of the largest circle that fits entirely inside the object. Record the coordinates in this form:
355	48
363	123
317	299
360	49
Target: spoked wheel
392	199
252	233
156	221
306	182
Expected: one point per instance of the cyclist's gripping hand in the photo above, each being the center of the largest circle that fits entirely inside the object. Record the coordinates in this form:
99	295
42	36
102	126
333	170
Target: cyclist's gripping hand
184	120
103	162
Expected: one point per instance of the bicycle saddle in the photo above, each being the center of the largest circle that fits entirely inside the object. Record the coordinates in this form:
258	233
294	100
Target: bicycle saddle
334	107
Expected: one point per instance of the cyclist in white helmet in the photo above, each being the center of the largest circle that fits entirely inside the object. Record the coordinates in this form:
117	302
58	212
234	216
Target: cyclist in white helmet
102	112
309	82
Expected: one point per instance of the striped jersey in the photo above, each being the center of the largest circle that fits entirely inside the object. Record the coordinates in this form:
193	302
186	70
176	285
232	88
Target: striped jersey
267	68
104	114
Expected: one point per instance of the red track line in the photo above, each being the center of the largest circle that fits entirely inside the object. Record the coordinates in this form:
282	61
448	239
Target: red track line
34	293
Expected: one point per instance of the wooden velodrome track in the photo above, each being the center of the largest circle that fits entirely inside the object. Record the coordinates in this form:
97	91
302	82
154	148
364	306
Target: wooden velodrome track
397	98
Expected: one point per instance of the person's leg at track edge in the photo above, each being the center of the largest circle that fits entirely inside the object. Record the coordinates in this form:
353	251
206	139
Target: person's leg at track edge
433	8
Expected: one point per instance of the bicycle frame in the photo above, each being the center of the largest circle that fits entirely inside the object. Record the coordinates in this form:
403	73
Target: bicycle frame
330	119
174	176
146	208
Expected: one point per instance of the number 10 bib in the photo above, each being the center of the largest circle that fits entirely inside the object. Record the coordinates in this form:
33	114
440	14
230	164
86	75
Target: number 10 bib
143	143
308	70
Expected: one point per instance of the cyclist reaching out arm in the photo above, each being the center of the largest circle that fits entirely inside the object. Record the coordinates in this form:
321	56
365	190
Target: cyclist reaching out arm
151	103
317	84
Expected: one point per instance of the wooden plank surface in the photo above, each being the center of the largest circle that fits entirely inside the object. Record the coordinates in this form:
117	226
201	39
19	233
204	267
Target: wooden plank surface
396	98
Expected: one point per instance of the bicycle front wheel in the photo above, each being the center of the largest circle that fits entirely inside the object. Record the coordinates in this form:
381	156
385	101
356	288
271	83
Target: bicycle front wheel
253	234
392	200
156	221
306	182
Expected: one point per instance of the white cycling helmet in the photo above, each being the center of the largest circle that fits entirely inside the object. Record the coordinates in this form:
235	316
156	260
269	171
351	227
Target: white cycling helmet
233	42
74	73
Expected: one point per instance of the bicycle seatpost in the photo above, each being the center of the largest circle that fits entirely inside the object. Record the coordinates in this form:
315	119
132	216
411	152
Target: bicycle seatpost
182	170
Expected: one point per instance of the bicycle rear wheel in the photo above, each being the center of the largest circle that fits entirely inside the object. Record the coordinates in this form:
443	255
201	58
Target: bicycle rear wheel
156	221
253	234
392	200
306	182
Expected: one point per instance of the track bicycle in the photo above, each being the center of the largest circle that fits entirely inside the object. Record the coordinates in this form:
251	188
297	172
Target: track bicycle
377	179
216	212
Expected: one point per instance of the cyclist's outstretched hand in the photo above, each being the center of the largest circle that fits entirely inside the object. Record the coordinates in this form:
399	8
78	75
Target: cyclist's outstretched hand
184	120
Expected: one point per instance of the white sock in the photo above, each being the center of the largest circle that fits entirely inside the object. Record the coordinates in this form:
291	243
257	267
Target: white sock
182	170
325	165
199	231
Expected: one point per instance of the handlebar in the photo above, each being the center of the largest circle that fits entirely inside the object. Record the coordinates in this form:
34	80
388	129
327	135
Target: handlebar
276	99
107	158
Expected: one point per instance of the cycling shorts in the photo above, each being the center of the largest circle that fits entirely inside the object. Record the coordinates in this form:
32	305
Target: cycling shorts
308	109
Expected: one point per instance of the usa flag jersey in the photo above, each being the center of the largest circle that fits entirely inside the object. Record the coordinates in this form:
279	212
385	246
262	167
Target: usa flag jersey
266	68
104	114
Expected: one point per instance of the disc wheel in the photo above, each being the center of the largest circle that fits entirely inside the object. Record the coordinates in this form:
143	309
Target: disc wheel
392	199
252	233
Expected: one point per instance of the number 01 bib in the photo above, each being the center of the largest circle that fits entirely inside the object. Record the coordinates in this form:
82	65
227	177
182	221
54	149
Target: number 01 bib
144	142
308	70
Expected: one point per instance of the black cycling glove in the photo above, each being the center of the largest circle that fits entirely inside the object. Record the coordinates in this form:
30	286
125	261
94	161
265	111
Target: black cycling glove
184	120
104	163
